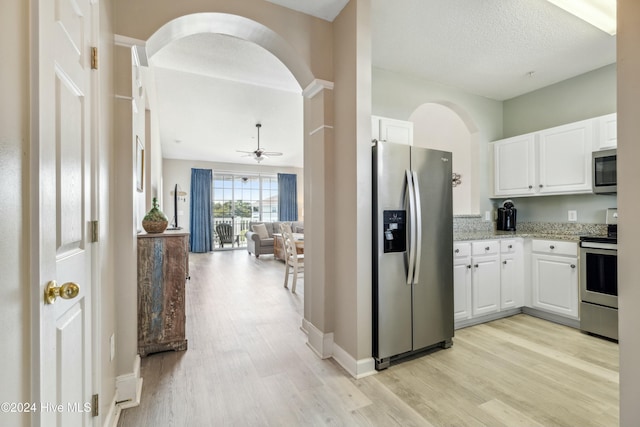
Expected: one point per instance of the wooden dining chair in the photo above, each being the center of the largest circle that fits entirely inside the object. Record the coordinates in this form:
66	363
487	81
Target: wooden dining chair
294	261
285	228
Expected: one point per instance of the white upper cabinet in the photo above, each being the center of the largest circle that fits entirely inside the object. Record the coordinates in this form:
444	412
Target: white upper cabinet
391	130
551	161
565	158
515	165
606	132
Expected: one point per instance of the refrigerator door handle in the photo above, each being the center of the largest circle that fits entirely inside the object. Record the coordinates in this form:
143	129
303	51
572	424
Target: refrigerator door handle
418	234
412	226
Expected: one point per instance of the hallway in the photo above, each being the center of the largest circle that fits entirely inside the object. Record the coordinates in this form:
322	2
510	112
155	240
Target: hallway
248	365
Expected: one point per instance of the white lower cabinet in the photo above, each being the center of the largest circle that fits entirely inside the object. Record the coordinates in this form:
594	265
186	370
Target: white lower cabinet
461	281
511	274
488	277
485	277
554	281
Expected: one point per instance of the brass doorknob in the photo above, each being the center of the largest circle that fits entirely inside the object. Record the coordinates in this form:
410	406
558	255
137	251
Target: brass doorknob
69	290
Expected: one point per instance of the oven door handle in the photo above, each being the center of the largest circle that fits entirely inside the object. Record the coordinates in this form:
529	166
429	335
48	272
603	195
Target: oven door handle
599	245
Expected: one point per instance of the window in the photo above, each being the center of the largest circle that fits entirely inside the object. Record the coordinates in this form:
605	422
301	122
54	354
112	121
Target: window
240	198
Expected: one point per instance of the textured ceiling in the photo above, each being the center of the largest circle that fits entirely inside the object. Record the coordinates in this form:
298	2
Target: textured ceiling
487	47
211	90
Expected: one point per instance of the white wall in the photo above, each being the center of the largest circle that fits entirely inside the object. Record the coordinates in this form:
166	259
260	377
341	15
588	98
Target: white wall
179	172
14	209
125	214
588	95
439	127
398	96
582	97
104	288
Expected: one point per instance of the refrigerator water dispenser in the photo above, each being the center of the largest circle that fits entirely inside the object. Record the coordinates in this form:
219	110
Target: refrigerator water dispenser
395	236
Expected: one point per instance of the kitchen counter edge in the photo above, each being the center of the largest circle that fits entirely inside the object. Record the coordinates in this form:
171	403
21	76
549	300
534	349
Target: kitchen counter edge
488	235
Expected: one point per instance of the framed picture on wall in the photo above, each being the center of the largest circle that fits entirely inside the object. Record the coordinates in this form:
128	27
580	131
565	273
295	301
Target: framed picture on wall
139	164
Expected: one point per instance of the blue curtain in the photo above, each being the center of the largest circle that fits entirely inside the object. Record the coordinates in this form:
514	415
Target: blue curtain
287	197
200	225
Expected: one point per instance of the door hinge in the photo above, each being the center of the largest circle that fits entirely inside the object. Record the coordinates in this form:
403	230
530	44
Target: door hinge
95	405
95	231
94	58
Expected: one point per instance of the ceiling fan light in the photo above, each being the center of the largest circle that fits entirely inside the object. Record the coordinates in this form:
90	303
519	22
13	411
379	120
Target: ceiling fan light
599	13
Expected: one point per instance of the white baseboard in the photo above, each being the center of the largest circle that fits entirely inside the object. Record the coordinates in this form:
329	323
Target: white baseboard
357	368
128	393
113	416
324	347
318	341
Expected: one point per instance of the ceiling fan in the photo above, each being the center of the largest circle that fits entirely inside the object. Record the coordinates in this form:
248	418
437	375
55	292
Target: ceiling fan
259	154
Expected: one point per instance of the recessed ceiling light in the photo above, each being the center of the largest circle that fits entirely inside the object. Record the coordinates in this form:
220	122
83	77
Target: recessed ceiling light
599	13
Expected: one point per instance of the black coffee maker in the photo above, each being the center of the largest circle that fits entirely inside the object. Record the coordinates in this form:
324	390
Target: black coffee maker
507	216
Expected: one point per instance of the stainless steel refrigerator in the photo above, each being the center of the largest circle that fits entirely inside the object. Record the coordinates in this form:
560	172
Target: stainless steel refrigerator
412	251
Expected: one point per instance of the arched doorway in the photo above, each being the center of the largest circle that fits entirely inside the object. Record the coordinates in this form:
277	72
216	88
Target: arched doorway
317	133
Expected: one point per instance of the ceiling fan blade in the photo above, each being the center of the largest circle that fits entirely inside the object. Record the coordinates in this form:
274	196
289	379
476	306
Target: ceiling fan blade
260	153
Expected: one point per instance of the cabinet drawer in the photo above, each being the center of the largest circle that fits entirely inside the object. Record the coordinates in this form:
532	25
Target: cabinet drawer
508	246
485	247
556	247
461	250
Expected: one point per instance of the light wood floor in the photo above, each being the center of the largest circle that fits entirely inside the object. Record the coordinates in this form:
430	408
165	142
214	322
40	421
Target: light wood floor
248	365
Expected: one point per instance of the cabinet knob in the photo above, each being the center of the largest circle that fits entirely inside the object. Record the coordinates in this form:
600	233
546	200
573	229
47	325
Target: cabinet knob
573	266
457	251
510	246
469	266
530	187
541	185
552	247
504	262
475	265
487	248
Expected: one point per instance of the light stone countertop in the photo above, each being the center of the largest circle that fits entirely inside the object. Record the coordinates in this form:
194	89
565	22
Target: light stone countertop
469	228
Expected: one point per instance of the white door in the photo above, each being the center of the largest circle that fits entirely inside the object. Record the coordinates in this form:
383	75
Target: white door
514	166
486	285
62	212
509	282
462	289
565	158
555	284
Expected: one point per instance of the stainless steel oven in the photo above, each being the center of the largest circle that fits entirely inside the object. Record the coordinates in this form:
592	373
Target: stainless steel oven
599	284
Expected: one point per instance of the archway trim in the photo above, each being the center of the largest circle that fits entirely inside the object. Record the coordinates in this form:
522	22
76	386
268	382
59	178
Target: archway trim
235	26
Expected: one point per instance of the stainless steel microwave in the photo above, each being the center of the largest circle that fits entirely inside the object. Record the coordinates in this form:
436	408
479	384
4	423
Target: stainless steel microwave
604	172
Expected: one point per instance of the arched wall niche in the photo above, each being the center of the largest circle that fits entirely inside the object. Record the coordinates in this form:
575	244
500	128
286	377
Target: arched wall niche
446	126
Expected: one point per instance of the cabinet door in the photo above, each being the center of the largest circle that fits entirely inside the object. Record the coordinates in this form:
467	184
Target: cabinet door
565	158
511	281
555	284
391	130
486	285
607	132
462	288
514	166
